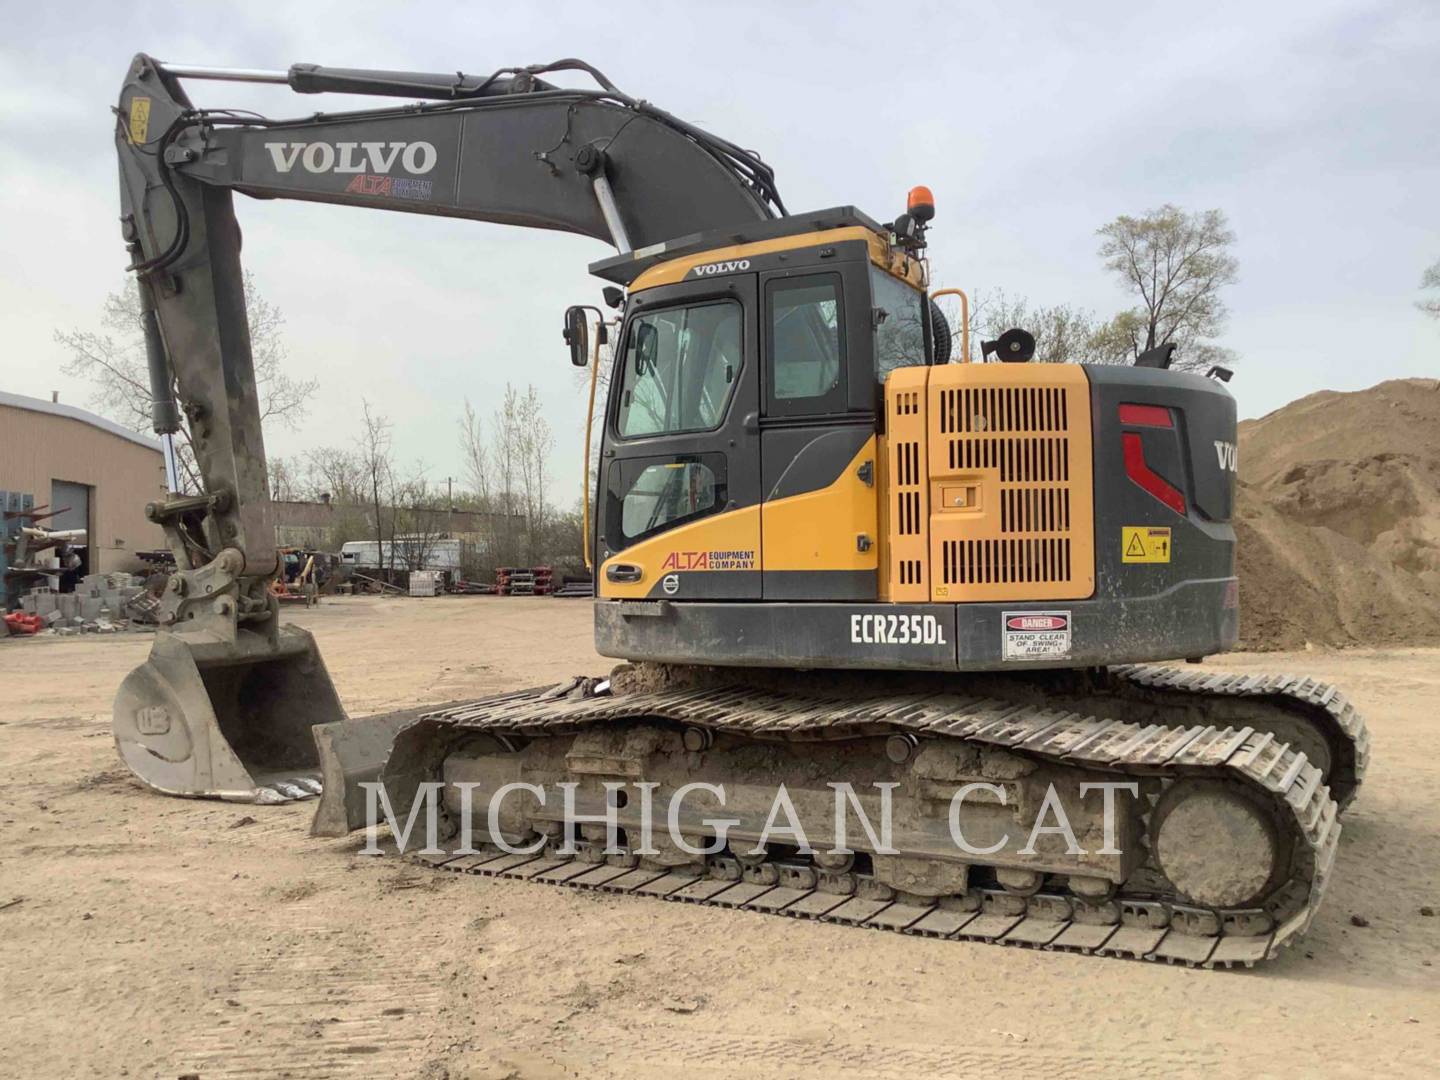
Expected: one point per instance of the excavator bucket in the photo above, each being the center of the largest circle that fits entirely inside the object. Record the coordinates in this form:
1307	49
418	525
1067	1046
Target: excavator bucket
227	719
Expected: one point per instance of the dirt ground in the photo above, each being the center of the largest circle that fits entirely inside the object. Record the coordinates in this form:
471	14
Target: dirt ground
143	936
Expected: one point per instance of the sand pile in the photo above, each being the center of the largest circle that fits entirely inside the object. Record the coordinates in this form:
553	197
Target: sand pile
1338	518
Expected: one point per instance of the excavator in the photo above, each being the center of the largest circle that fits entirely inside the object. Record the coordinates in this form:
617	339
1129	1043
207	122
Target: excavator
837	557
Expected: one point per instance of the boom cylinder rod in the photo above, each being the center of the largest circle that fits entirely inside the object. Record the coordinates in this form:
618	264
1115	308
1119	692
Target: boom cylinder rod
318	79
255	75
172	469
606	198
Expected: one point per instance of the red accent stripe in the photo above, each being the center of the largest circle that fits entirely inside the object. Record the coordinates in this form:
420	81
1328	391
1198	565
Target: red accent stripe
1148	415
1155	484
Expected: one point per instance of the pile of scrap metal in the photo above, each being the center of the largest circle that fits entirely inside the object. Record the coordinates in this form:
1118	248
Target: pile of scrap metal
19	624
471	588
303	574
576	587
524	580
34	554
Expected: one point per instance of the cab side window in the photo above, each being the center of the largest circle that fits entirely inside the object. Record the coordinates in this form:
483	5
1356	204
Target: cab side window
900	331
805	346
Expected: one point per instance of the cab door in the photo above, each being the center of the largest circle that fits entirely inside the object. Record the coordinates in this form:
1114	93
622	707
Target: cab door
819	514
680	463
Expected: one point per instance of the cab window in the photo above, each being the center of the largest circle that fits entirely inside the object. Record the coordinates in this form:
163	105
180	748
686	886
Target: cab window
646	496
680	366
806	345
900	333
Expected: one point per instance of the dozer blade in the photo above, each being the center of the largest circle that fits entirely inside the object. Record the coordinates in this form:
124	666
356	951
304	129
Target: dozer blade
353	753
227	720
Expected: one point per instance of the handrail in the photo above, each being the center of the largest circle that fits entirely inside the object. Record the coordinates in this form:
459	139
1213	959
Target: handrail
964	320
585	471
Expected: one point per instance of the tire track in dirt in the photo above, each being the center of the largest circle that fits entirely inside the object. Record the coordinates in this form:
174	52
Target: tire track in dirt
677	1049
318	1009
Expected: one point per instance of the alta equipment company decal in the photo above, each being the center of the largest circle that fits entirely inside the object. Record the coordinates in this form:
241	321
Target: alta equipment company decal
1035	635
710	560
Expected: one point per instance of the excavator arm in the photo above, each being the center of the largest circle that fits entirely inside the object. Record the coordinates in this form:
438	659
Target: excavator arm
225	704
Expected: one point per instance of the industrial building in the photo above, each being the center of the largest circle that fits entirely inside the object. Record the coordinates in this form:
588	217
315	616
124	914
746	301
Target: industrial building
98	474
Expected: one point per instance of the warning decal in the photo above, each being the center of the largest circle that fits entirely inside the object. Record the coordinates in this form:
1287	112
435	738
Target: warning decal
1144	544
1035	635
139	119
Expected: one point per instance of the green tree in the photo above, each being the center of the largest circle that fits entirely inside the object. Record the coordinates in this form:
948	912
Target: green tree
1176	263
1430	280
1062	331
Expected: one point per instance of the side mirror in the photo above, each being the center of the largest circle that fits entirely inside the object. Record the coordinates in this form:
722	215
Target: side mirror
647	341
577	335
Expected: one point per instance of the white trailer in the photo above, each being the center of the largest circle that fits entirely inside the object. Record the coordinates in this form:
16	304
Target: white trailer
404	553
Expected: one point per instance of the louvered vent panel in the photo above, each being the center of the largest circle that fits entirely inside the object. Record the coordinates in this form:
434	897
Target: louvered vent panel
907	481
1012	515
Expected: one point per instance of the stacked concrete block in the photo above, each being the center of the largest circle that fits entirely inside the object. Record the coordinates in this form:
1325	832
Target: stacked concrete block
113	591
96	604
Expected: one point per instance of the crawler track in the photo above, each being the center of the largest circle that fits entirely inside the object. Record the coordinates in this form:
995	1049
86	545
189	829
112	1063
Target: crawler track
1295	698
1147	923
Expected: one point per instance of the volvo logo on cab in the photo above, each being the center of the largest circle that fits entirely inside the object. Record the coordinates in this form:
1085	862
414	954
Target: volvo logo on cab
417	158
711	269
896	630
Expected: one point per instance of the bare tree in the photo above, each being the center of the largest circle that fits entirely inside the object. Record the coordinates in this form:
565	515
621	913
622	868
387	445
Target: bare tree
506	436
377	468
1176	263
506	466
475	453
535	444
112	359
1431	280
337	473
287	478
418	521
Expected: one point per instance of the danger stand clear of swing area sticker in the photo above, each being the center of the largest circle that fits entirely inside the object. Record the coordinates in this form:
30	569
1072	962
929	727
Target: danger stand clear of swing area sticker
1035	635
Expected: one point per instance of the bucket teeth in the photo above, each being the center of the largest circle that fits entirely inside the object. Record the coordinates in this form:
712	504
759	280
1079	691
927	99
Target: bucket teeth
293	788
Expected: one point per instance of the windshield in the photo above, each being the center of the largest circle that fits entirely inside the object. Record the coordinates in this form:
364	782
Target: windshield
679	367
900	336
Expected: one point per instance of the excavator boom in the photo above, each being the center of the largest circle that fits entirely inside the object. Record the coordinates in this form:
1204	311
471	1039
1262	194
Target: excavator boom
206	714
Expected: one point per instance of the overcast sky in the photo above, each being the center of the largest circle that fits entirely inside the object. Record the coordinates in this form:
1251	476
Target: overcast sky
1312	125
